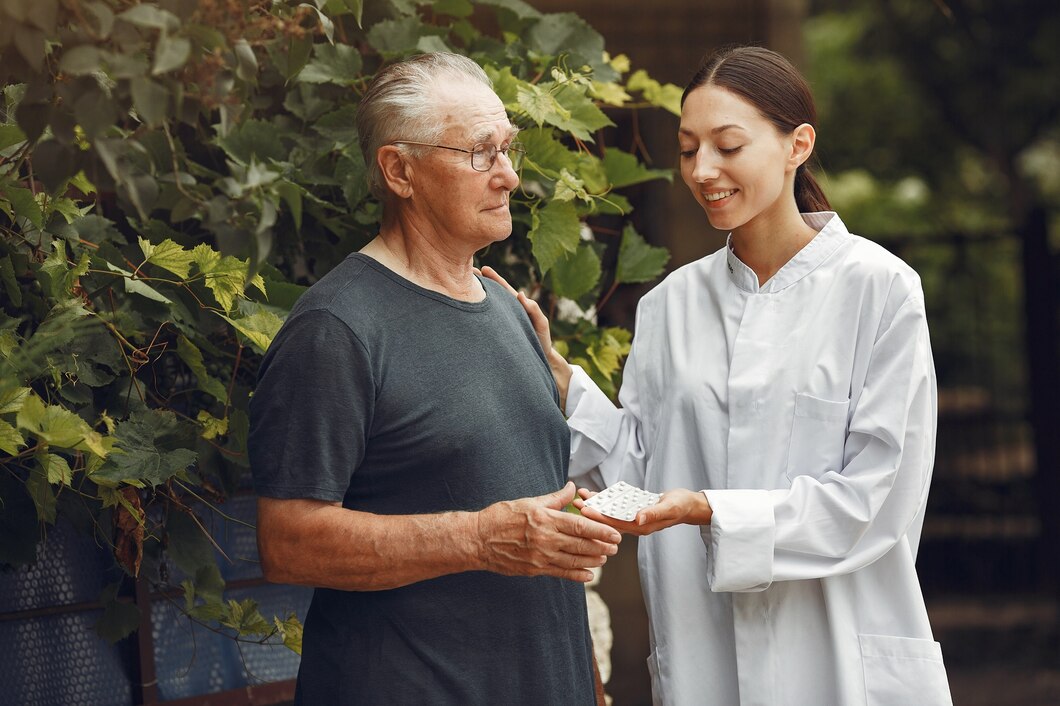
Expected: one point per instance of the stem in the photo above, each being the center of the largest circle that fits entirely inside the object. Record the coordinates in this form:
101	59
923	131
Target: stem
603	300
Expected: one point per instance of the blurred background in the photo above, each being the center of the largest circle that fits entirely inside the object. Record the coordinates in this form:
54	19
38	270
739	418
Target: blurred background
939	137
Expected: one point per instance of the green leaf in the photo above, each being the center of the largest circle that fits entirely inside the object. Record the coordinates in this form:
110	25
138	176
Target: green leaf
10	439
577	274
638	261
151	100
24	204
623	169
80	60
171	53
225	276
546	153
57	426
254	138
579	115
666	96
291	194
521	9
120	618
610	93
391	37
152	17
212	427
12	399
151	446
339	125
291	632
609	349
168	255
541	105
192	357
244	617
55	468
569	187
259	328
42	494
136	286
11	135
7	275
339	64
453	8
555	231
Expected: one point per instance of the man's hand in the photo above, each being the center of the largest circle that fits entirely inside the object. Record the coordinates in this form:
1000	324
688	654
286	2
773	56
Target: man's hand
675	507
535	537
561	370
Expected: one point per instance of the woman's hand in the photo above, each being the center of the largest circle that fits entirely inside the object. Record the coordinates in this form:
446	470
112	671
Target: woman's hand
561	369
675	507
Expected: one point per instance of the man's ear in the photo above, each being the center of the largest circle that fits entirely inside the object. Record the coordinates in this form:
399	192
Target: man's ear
802	142
397	172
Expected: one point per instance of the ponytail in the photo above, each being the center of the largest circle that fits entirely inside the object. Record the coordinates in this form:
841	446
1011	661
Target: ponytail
808	193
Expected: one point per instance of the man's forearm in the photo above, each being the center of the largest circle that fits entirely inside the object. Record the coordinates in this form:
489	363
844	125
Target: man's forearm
332	547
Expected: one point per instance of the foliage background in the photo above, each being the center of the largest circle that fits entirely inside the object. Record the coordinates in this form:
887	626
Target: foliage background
174	174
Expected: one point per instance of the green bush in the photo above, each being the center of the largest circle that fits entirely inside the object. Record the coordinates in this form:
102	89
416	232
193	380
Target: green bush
173	175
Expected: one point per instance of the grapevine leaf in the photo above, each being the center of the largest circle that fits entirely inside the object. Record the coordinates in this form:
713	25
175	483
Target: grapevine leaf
575	275
55	468
638	261
623	169
666	96
259	328
173	52
291	632
10	439
555	231
339	64
168	255
120	618
192	357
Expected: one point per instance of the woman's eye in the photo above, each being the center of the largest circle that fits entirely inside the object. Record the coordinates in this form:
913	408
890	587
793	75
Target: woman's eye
730	150
688	153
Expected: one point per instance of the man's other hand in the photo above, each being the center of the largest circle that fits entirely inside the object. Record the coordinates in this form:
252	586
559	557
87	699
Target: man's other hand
535	537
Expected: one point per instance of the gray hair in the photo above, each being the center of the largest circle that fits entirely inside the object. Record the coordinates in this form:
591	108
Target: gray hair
398	105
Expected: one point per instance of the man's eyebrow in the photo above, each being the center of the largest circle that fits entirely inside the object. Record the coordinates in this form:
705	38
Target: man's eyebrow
485	134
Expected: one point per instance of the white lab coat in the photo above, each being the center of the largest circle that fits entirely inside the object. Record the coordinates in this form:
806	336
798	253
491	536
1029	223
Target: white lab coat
805	409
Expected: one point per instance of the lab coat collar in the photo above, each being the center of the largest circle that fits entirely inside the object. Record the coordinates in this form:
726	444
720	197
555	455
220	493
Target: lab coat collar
831	233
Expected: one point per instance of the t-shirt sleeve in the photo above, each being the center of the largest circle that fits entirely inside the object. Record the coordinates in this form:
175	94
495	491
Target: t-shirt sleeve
311	411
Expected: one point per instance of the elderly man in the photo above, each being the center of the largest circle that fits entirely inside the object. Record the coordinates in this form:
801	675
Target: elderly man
406	442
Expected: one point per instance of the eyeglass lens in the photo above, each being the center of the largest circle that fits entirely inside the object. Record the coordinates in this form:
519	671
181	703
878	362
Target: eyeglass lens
485	154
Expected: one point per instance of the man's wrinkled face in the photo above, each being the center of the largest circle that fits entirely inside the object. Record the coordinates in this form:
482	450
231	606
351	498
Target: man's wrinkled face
461	204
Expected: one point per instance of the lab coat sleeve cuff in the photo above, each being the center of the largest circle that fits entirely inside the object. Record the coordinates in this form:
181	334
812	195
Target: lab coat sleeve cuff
589	411
739	540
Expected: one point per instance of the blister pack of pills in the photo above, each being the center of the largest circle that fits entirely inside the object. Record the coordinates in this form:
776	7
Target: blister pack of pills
622	501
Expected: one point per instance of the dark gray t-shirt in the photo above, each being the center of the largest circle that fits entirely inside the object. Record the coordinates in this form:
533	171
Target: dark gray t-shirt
395	399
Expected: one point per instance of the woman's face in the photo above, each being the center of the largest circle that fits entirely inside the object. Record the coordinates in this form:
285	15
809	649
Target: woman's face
735	162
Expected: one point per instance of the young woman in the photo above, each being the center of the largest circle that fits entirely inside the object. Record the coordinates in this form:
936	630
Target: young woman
782	393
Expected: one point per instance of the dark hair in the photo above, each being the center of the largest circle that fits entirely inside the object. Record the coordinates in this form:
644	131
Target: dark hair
771	84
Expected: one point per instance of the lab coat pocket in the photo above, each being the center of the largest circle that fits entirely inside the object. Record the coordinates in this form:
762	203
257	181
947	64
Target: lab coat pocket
818	434
903	670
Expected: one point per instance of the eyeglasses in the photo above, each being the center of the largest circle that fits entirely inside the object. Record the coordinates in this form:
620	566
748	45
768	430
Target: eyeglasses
483	154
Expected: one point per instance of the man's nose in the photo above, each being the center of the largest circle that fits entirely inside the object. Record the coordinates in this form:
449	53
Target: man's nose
504	172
